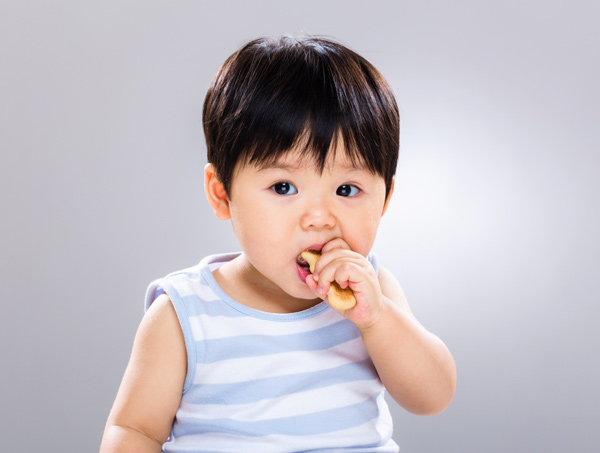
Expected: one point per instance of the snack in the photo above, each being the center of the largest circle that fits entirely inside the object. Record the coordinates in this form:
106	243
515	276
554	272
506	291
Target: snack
338	298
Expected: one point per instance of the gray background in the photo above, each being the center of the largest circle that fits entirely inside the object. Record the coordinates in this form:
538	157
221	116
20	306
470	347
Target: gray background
492	230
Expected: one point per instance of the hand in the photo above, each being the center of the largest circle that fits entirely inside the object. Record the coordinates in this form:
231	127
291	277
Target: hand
339	263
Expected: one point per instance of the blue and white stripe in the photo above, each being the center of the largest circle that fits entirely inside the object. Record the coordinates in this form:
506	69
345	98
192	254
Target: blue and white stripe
270	382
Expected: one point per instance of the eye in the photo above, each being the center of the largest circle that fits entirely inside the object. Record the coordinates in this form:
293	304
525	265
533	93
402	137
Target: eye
284	188
347	190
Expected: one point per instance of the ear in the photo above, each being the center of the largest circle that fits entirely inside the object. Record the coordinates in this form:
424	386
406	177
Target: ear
215	193
389	196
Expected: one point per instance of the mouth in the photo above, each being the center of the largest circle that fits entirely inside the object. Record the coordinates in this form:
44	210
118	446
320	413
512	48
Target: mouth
306	261
303	267
302	263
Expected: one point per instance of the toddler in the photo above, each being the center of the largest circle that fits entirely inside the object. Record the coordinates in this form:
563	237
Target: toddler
242	352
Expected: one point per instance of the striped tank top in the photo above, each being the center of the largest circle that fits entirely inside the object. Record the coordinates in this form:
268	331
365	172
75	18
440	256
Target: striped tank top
270	382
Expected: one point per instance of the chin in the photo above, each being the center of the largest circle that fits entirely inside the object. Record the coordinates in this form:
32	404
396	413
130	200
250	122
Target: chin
303	293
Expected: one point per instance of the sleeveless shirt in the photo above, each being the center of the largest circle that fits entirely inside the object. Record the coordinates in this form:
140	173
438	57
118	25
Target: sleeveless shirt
270	382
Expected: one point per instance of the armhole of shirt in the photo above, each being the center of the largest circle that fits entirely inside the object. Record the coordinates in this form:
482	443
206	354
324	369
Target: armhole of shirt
374	260
162	286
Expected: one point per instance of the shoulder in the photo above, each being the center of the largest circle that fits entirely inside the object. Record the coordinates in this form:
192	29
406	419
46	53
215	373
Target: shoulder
159	337
391	288
159	345
197	280
160	326
161	312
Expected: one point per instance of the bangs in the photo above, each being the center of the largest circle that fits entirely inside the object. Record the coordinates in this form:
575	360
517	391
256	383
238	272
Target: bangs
274	96
312	146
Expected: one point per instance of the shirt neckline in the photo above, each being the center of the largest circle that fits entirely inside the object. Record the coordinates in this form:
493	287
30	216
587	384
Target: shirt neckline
212	262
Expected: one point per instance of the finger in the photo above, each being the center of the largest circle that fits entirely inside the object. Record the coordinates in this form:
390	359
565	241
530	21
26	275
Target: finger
337	243
340	270
333	257
313	285
348	272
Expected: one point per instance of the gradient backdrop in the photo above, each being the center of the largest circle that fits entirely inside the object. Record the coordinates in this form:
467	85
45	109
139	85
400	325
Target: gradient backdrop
493	230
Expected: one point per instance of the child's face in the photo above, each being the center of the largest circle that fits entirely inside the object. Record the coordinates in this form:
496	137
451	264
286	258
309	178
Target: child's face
281	210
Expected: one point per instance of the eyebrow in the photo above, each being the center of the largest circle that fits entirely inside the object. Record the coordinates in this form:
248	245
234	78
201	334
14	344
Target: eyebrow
278	165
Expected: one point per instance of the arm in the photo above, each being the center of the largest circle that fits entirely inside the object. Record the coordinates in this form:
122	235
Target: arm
150	393
415	366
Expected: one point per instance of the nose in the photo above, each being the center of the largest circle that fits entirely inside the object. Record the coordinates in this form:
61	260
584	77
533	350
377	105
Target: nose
318	214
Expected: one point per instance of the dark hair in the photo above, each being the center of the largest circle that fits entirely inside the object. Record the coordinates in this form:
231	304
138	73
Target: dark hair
274	94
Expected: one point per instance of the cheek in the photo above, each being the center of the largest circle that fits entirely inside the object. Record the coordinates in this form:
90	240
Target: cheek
361	235
259	227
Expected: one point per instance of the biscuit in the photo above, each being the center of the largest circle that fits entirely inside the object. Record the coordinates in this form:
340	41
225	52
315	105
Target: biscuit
339	298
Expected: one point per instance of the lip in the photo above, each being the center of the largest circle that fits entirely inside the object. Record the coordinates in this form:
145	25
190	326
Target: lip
302	273
316	247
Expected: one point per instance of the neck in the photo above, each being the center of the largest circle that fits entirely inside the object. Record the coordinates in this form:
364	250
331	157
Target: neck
242	282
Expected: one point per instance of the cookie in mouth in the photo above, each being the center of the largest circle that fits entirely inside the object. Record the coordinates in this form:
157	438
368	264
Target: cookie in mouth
303	267
307	259
339	298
